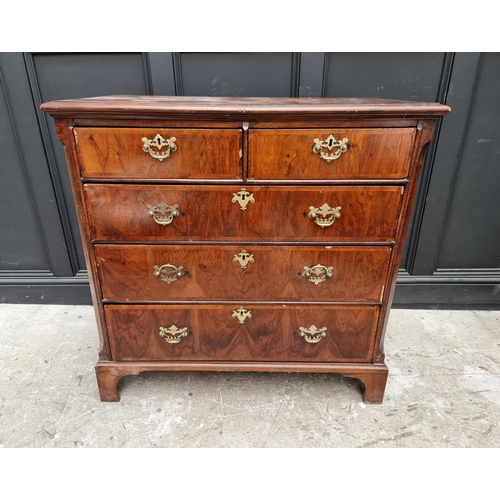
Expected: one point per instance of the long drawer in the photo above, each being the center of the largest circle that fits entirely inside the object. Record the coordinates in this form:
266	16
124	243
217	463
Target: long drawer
260	332
330	153
156	273
142	153
229	213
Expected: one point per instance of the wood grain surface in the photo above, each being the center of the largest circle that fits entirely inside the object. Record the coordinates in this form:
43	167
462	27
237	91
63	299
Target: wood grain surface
138	107
210	273
272	333
207	213
117	153
371	154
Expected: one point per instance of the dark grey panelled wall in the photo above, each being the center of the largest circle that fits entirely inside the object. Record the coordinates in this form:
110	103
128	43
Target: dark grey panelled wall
452	255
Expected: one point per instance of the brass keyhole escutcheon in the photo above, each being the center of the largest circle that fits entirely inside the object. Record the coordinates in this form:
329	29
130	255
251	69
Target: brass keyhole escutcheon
243	198
329	144
155	146
241	314
244	258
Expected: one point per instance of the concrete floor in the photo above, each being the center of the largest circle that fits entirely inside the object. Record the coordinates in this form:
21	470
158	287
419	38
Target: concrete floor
443	391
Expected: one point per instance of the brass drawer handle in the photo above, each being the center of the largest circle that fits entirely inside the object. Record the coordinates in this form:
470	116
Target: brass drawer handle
163	214
244	258
318	273
243	197
241	314
313	334
330	143
168	272
325	215
159	143
172	334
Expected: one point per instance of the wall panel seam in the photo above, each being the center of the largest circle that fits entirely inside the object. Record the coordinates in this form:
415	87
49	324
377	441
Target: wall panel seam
454	179
178	78
295	76
146	64
51	161
24	167
428	167
326	75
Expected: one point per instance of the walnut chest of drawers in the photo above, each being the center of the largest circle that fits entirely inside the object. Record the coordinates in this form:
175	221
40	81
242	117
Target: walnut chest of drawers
243	233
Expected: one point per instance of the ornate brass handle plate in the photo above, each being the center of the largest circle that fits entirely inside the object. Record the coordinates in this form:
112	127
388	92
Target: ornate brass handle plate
318	273
330	143
172	334
241	314
244	258
313	334
325	215
168	272
163	214
243	197
159	143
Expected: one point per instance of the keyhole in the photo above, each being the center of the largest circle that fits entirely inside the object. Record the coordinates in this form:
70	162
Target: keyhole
244	257
330	144
242	197
158	141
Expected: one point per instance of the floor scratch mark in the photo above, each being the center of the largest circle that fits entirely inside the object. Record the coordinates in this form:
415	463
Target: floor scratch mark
277	413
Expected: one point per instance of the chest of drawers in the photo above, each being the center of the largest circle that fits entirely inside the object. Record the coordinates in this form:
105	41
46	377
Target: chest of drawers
243	233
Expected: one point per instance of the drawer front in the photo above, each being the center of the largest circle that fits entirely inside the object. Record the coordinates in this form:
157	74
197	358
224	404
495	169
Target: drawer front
367	153
268	333
204	213
124	153
155	273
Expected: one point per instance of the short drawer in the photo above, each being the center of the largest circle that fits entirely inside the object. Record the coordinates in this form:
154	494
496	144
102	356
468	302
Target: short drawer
330	153
230	213
242	332
130	153
161	273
